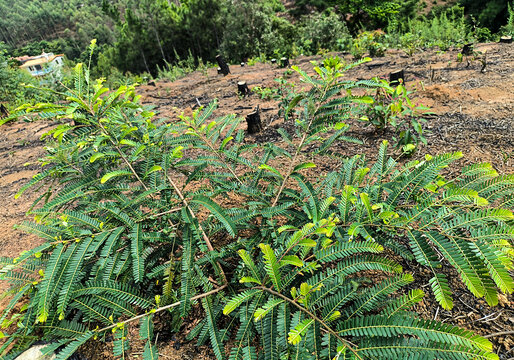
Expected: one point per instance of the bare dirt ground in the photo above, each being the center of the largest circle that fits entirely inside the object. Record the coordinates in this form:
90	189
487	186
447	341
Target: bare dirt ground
473	114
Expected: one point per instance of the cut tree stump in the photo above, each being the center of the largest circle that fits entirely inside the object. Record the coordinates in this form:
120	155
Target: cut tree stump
242	88
222	65
219	71
284	62
274	61
467	49
506	39
3	111
253	120
242	64
395	76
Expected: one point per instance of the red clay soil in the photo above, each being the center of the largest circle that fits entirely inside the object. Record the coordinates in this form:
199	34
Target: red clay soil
473	114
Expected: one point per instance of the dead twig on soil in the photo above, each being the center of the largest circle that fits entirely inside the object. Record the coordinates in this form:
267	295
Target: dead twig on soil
511	332
488	317
436	313
469	307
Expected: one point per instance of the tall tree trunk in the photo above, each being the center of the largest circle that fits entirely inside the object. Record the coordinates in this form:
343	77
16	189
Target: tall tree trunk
159	42
144	60
7	36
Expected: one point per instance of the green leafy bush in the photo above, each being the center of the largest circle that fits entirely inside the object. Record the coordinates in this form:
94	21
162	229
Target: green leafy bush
116	78
508	29
12	85
369	42
393	108
265	92
266	35
410	43
302	298
323	31
180	69
136	214
445	30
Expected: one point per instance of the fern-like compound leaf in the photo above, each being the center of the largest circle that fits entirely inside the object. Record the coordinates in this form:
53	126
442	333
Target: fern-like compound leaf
237	300
136	249
271	265
441	289
217	211
70	349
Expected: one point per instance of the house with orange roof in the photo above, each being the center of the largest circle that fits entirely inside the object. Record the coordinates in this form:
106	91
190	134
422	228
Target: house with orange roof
42	65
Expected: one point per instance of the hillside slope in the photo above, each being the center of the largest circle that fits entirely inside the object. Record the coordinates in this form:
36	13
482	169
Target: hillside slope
473	114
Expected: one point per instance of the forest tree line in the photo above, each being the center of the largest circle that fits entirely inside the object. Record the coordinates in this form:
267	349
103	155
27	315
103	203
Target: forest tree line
141	36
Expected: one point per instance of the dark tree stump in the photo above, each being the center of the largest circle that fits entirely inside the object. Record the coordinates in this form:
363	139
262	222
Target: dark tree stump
242	64
395	76
284	62
506	39
253	120
219	71
222	65
242	88
151	83
3	111
467	50
274	61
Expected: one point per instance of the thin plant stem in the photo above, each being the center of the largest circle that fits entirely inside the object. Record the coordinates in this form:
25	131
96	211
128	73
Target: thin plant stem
175	304
348	344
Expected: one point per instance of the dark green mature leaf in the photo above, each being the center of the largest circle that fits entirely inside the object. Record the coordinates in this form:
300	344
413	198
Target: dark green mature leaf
217	211
70	349
216	343
136	250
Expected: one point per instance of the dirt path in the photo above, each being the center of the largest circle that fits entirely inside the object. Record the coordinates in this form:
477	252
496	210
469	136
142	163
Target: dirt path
473	114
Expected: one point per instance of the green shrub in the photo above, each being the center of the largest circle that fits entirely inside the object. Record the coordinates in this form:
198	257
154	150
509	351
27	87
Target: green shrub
176	71
256	59
369	42
509	28
12	85
267	33
116	78
410	43
304	296
130	208
279	40
393	108
482	34
447	29
324	30
265	92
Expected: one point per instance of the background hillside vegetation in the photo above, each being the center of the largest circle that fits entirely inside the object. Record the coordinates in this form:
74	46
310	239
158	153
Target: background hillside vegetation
141	37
